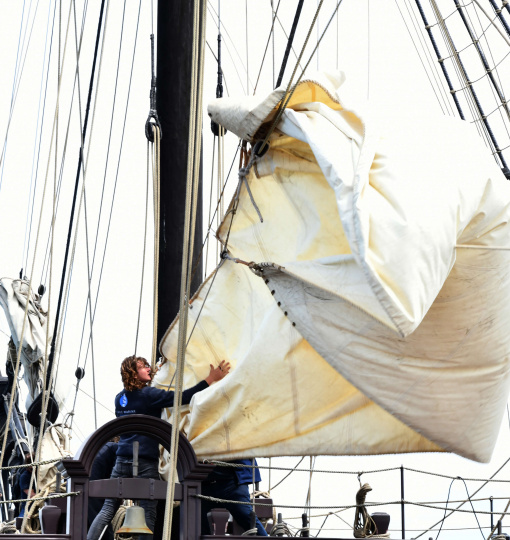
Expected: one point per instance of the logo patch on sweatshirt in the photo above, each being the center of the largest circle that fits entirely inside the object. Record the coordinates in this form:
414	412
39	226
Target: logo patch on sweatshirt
123	400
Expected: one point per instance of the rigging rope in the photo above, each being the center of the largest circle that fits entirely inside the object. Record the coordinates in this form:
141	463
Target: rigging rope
271	35
289	41
364	525
193	167
125	115
289	92
157	216
105	173
80	162
35	163
29	287
88	306
13	99
142	280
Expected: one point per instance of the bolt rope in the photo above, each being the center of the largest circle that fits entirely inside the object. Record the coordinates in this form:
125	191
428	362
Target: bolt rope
474	246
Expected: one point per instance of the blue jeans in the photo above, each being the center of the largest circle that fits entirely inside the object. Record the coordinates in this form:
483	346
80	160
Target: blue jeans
147	468
228	488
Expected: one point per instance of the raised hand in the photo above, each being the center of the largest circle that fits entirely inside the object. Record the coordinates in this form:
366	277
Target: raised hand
217	373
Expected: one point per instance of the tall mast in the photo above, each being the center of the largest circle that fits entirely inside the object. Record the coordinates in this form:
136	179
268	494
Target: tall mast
174	55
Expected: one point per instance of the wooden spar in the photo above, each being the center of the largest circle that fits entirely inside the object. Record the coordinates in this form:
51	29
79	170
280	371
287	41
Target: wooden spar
174	51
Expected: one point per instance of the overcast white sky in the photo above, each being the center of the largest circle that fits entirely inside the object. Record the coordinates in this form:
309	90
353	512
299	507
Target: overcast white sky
378	57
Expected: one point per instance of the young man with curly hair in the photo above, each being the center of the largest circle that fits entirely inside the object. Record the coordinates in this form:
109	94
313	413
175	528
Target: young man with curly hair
139	398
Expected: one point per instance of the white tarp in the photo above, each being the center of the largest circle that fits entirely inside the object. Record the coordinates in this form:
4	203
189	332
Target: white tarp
371	331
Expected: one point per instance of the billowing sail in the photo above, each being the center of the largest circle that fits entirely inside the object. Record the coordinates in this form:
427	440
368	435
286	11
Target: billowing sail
375	318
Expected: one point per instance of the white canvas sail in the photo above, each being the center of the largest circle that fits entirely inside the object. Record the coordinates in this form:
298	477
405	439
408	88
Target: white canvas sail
370	330
31	333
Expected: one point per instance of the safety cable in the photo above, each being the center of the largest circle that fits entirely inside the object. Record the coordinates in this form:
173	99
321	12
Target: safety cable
346	506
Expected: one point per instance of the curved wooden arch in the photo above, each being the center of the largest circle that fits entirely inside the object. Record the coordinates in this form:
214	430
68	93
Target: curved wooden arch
188	467
190	471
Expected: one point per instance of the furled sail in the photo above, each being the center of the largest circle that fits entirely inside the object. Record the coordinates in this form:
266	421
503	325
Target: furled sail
367	326
31	333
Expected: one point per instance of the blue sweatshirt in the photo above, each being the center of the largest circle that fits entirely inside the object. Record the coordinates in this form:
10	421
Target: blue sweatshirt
147	400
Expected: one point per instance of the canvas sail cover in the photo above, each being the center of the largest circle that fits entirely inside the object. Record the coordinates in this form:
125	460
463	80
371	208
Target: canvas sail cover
367	327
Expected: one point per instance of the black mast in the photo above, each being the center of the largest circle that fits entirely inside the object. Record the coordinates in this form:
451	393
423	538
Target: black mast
174	51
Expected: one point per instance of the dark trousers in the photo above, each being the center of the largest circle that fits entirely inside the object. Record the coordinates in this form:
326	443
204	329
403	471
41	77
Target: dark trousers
124	469
228	488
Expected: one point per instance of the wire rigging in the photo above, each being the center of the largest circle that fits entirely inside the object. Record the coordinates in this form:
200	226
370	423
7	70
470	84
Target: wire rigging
290	41
35	162
103	189
117	171
271	35
17	86
80	161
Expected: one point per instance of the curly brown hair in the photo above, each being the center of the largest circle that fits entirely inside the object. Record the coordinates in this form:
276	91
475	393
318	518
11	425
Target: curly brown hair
129	372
